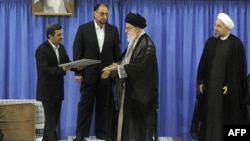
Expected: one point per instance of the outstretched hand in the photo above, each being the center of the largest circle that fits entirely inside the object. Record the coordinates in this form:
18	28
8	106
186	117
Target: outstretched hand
225	90
107	70
106	74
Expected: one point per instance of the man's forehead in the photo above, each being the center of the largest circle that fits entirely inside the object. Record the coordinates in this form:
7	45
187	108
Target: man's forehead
58	31
103	8
219	22
129	25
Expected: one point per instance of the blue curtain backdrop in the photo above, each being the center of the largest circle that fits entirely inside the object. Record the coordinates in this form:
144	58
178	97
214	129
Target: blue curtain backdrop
179	29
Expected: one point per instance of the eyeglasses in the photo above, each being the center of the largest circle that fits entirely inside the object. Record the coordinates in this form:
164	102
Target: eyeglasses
103	14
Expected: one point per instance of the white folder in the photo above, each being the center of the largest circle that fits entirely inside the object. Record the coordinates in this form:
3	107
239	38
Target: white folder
82	62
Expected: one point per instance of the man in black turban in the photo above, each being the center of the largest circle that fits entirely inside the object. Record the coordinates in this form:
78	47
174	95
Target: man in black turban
136	20
137	85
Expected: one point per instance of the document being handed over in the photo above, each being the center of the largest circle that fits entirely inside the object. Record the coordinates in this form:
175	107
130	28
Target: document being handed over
79	63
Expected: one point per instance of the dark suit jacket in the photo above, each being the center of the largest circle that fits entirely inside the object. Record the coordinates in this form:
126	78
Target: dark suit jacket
50	81
86	46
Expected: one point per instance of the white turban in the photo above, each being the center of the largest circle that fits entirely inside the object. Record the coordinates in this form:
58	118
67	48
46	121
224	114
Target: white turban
226	20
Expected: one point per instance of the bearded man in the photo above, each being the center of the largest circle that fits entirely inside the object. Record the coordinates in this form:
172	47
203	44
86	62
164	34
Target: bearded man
221	81
53	6
138	78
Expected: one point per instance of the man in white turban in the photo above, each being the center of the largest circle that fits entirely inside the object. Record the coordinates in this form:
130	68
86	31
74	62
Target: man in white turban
226	20
220	82
223	25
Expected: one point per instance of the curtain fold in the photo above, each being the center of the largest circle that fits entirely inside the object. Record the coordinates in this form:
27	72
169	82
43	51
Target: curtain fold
179	29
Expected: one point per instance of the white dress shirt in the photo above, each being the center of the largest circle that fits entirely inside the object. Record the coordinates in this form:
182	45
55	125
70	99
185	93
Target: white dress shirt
100	35
56	51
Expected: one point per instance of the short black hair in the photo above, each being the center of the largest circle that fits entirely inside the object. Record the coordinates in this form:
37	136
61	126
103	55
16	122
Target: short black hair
51	29
98	5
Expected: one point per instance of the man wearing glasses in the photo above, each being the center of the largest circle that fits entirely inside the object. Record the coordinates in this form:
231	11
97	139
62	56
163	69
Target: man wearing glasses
137	85
95	40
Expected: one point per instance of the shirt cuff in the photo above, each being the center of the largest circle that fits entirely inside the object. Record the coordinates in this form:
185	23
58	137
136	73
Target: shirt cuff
121	71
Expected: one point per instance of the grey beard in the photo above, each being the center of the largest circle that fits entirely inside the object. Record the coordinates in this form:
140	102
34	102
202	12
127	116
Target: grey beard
131	38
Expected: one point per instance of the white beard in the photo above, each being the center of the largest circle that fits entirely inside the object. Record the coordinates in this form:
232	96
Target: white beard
54	4
131	36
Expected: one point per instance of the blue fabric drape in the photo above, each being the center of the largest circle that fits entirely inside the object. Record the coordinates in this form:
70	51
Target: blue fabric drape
179	29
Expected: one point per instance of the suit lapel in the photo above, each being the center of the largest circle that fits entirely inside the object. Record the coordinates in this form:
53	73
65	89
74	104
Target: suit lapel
92	33
61	54
52	51
106	35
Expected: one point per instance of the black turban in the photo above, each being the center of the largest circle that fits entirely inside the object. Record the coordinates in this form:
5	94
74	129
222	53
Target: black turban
136	20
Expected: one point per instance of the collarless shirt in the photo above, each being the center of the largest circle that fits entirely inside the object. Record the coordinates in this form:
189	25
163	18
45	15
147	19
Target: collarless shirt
224	38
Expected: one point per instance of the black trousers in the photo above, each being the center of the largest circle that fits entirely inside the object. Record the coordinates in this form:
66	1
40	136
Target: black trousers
52	115
100	97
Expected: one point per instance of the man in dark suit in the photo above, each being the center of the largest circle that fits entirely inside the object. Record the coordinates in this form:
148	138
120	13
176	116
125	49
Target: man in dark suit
50	81
95	40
